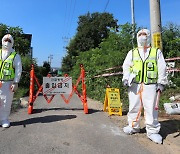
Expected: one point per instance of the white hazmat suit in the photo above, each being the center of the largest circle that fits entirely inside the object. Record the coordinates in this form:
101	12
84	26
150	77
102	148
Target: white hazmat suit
7	88
143	95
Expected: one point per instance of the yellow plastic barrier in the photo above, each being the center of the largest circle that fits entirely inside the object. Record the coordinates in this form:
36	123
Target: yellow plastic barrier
112	102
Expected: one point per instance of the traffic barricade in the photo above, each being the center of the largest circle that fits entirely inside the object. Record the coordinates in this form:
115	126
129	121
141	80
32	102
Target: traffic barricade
50	91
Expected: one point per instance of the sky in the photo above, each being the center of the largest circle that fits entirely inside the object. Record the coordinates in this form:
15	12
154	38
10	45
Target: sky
53	23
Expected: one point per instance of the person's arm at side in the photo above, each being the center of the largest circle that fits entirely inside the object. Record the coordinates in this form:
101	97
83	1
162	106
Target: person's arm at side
126	67
18	70
162	77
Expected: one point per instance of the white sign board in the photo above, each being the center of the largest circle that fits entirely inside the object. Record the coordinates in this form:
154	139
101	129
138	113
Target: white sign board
57	85
170	65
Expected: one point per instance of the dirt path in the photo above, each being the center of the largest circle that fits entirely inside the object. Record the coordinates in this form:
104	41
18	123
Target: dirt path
170	131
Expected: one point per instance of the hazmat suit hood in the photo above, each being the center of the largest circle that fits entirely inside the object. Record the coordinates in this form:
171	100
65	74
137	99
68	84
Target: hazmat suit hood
144	40
7	42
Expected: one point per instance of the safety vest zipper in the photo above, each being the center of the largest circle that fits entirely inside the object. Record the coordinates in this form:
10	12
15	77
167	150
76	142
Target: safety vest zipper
143	72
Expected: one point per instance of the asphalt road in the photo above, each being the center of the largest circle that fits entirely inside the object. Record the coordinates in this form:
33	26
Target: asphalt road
59	128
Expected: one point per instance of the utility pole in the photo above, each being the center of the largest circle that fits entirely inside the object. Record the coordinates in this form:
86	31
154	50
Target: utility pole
50	57
133	22
155	20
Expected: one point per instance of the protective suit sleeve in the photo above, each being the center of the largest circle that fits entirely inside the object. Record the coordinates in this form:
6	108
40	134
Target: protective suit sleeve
162	77
18	68
126	66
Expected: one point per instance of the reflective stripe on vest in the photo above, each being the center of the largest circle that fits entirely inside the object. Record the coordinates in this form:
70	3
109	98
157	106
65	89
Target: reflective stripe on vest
7	72
147	71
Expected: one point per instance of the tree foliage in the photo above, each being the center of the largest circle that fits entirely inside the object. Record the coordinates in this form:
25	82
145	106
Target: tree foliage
171	46
21	44
171	40
91	30
111	52
47	68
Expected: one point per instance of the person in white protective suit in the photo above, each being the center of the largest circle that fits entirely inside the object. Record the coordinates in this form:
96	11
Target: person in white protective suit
144	73
10	73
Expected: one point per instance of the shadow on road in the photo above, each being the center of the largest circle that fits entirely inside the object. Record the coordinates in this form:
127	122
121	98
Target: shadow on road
170	127
45	119
167	127
53	109
90	111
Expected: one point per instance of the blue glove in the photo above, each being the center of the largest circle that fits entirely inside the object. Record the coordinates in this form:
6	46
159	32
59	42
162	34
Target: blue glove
160	87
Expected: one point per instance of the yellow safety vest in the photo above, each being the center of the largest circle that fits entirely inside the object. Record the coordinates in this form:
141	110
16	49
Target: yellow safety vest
147	71
7	72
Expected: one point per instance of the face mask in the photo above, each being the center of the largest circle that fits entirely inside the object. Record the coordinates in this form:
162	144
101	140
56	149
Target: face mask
142	40
7	45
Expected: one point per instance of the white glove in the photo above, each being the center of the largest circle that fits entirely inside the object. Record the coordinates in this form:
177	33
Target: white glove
160	87
125	83
14	87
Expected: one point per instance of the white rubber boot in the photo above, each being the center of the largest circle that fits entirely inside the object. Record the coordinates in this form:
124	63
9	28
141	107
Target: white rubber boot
129	130
155	138
5	123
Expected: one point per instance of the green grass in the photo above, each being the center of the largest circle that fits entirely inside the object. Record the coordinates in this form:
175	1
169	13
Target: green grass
15	106
167	93
21	92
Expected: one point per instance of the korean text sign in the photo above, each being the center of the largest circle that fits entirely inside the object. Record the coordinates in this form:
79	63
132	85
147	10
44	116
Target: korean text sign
57	85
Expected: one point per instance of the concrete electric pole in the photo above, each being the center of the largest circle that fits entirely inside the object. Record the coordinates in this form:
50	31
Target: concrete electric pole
155	21
50	57
132	21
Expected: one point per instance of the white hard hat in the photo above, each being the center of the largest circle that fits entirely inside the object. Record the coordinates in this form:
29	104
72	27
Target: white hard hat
148	35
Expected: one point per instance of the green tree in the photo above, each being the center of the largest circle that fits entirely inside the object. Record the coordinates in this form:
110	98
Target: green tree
24	83
111	52
21	44
91	30
3	31
171	46
171	40
67	63
47	68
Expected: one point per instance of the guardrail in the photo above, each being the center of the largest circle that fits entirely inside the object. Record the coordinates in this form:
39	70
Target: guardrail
120	67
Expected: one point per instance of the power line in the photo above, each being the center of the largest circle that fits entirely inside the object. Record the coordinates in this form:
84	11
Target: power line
88	7
69	17
67	22
65	14
72	15
106	5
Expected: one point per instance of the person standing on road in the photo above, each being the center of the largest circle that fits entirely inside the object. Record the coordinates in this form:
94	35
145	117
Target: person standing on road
10	73
144	73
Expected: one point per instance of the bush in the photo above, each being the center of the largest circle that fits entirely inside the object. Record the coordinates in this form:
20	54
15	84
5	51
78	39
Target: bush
21	92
